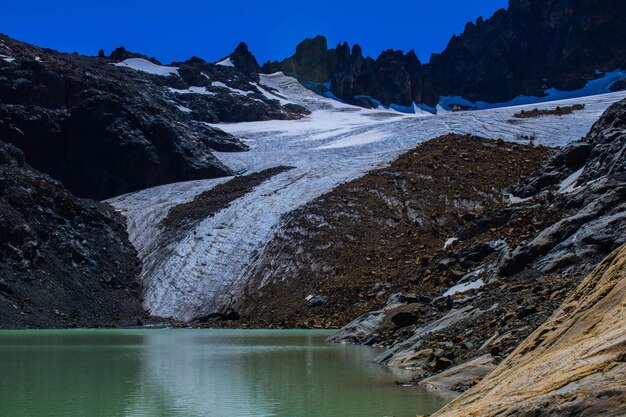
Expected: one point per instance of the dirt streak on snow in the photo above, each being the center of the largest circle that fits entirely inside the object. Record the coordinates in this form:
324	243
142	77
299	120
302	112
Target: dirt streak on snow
197	273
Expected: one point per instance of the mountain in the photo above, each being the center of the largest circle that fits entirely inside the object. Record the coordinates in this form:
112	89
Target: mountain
532	46
104	127
444	239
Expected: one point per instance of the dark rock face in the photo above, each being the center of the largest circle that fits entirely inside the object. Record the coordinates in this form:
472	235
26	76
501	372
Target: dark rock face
64	262
104	130
392	78
595	223
245	62
313	61
608	141
534	45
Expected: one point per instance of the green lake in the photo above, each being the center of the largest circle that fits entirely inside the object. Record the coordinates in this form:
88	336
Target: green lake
198	373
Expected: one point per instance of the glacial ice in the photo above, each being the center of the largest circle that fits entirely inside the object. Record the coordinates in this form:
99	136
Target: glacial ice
198	271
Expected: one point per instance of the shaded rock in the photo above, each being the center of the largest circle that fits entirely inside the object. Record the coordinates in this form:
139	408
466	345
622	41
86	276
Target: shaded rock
440	364
404	318
105	130
311	62
64	262
244	61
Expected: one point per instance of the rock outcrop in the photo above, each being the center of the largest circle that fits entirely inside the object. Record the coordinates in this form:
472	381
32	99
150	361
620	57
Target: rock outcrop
104	127
245	62
313	61
64	262
530	47
573	365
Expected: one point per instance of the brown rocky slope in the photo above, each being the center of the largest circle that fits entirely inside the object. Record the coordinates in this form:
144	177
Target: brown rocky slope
375	246
346	252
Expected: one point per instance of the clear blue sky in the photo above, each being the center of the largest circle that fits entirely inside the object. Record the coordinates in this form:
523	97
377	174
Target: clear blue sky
177	29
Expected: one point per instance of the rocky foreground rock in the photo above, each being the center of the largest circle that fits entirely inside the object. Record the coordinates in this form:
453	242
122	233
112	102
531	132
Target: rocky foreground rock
573	365
64	261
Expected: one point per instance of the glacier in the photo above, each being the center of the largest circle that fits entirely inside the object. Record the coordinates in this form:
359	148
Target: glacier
198	271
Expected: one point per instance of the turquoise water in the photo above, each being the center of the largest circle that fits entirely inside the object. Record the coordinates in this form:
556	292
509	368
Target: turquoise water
197	373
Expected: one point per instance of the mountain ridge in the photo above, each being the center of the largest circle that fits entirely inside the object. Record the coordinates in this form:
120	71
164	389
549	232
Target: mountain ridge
523	50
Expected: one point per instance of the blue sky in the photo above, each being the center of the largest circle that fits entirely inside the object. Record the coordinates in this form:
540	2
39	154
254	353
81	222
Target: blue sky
176	30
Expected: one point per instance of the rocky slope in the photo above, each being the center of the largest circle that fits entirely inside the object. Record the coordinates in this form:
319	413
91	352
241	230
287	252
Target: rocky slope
394	243
516	263
573	365
64	262
104	127
346	252
530	47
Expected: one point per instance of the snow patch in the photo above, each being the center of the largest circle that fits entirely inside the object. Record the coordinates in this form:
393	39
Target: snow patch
226	63
184	109
515	200
192	90
143	65
449	242
268	95
232	90
568	184
461	288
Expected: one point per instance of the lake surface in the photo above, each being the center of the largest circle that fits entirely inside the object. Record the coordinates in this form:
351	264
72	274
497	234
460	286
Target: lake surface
198	373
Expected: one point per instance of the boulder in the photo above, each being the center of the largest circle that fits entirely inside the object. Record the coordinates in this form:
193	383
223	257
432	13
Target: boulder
463	376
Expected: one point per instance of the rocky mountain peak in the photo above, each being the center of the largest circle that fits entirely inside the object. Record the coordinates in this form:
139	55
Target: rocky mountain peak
121	53
244	61
104	126
312	62
312	48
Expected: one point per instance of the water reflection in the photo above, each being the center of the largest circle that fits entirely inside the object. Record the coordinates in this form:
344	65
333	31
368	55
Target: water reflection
203	373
